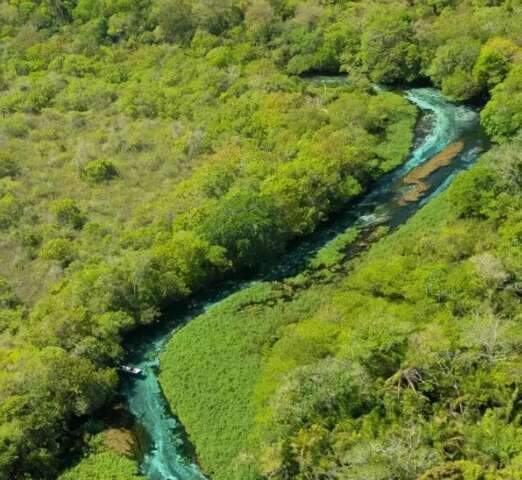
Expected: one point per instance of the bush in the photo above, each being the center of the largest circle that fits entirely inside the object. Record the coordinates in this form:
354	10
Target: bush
67	213
85	94
99	171
248	226
40	95
473	193
10	210
16	126
59	250
8	299
8	166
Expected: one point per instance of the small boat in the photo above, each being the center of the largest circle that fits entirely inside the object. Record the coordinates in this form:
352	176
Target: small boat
131	370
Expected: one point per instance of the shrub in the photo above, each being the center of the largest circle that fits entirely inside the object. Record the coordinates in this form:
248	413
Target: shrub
85	94
67	213
8	166
8	299
99	171
59	250
16	127
10	210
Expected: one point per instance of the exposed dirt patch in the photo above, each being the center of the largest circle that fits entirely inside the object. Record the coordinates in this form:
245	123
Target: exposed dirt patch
120	433
121	440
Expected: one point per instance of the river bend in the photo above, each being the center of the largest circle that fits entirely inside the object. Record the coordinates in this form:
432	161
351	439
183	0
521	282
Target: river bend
447	135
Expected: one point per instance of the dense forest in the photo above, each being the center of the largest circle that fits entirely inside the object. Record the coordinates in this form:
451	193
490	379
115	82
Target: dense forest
152	148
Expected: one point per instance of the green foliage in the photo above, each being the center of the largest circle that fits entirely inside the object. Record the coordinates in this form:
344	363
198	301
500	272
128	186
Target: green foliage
495	61
12	311
82	95
174	19
392	372
9	167
210	367
102	463
247	226
184	264
7	297
459	470
104	466
10	210
390	30
501	117
475	195
16	126
452	68
333	253
36	401
223	158
68	213
98	171
59	249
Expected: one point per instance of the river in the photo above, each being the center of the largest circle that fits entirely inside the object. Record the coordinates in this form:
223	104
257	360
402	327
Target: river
448	140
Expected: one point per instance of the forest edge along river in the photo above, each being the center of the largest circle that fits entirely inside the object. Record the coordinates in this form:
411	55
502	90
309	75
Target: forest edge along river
448	140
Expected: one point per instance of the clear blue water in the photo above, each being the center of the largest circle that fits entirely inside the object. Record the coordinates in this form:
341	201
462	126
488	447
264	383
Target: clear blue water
168	455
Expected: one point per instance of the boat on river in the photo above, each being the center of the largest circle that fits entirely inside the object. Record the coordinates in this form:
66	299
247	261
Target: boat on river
131	370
